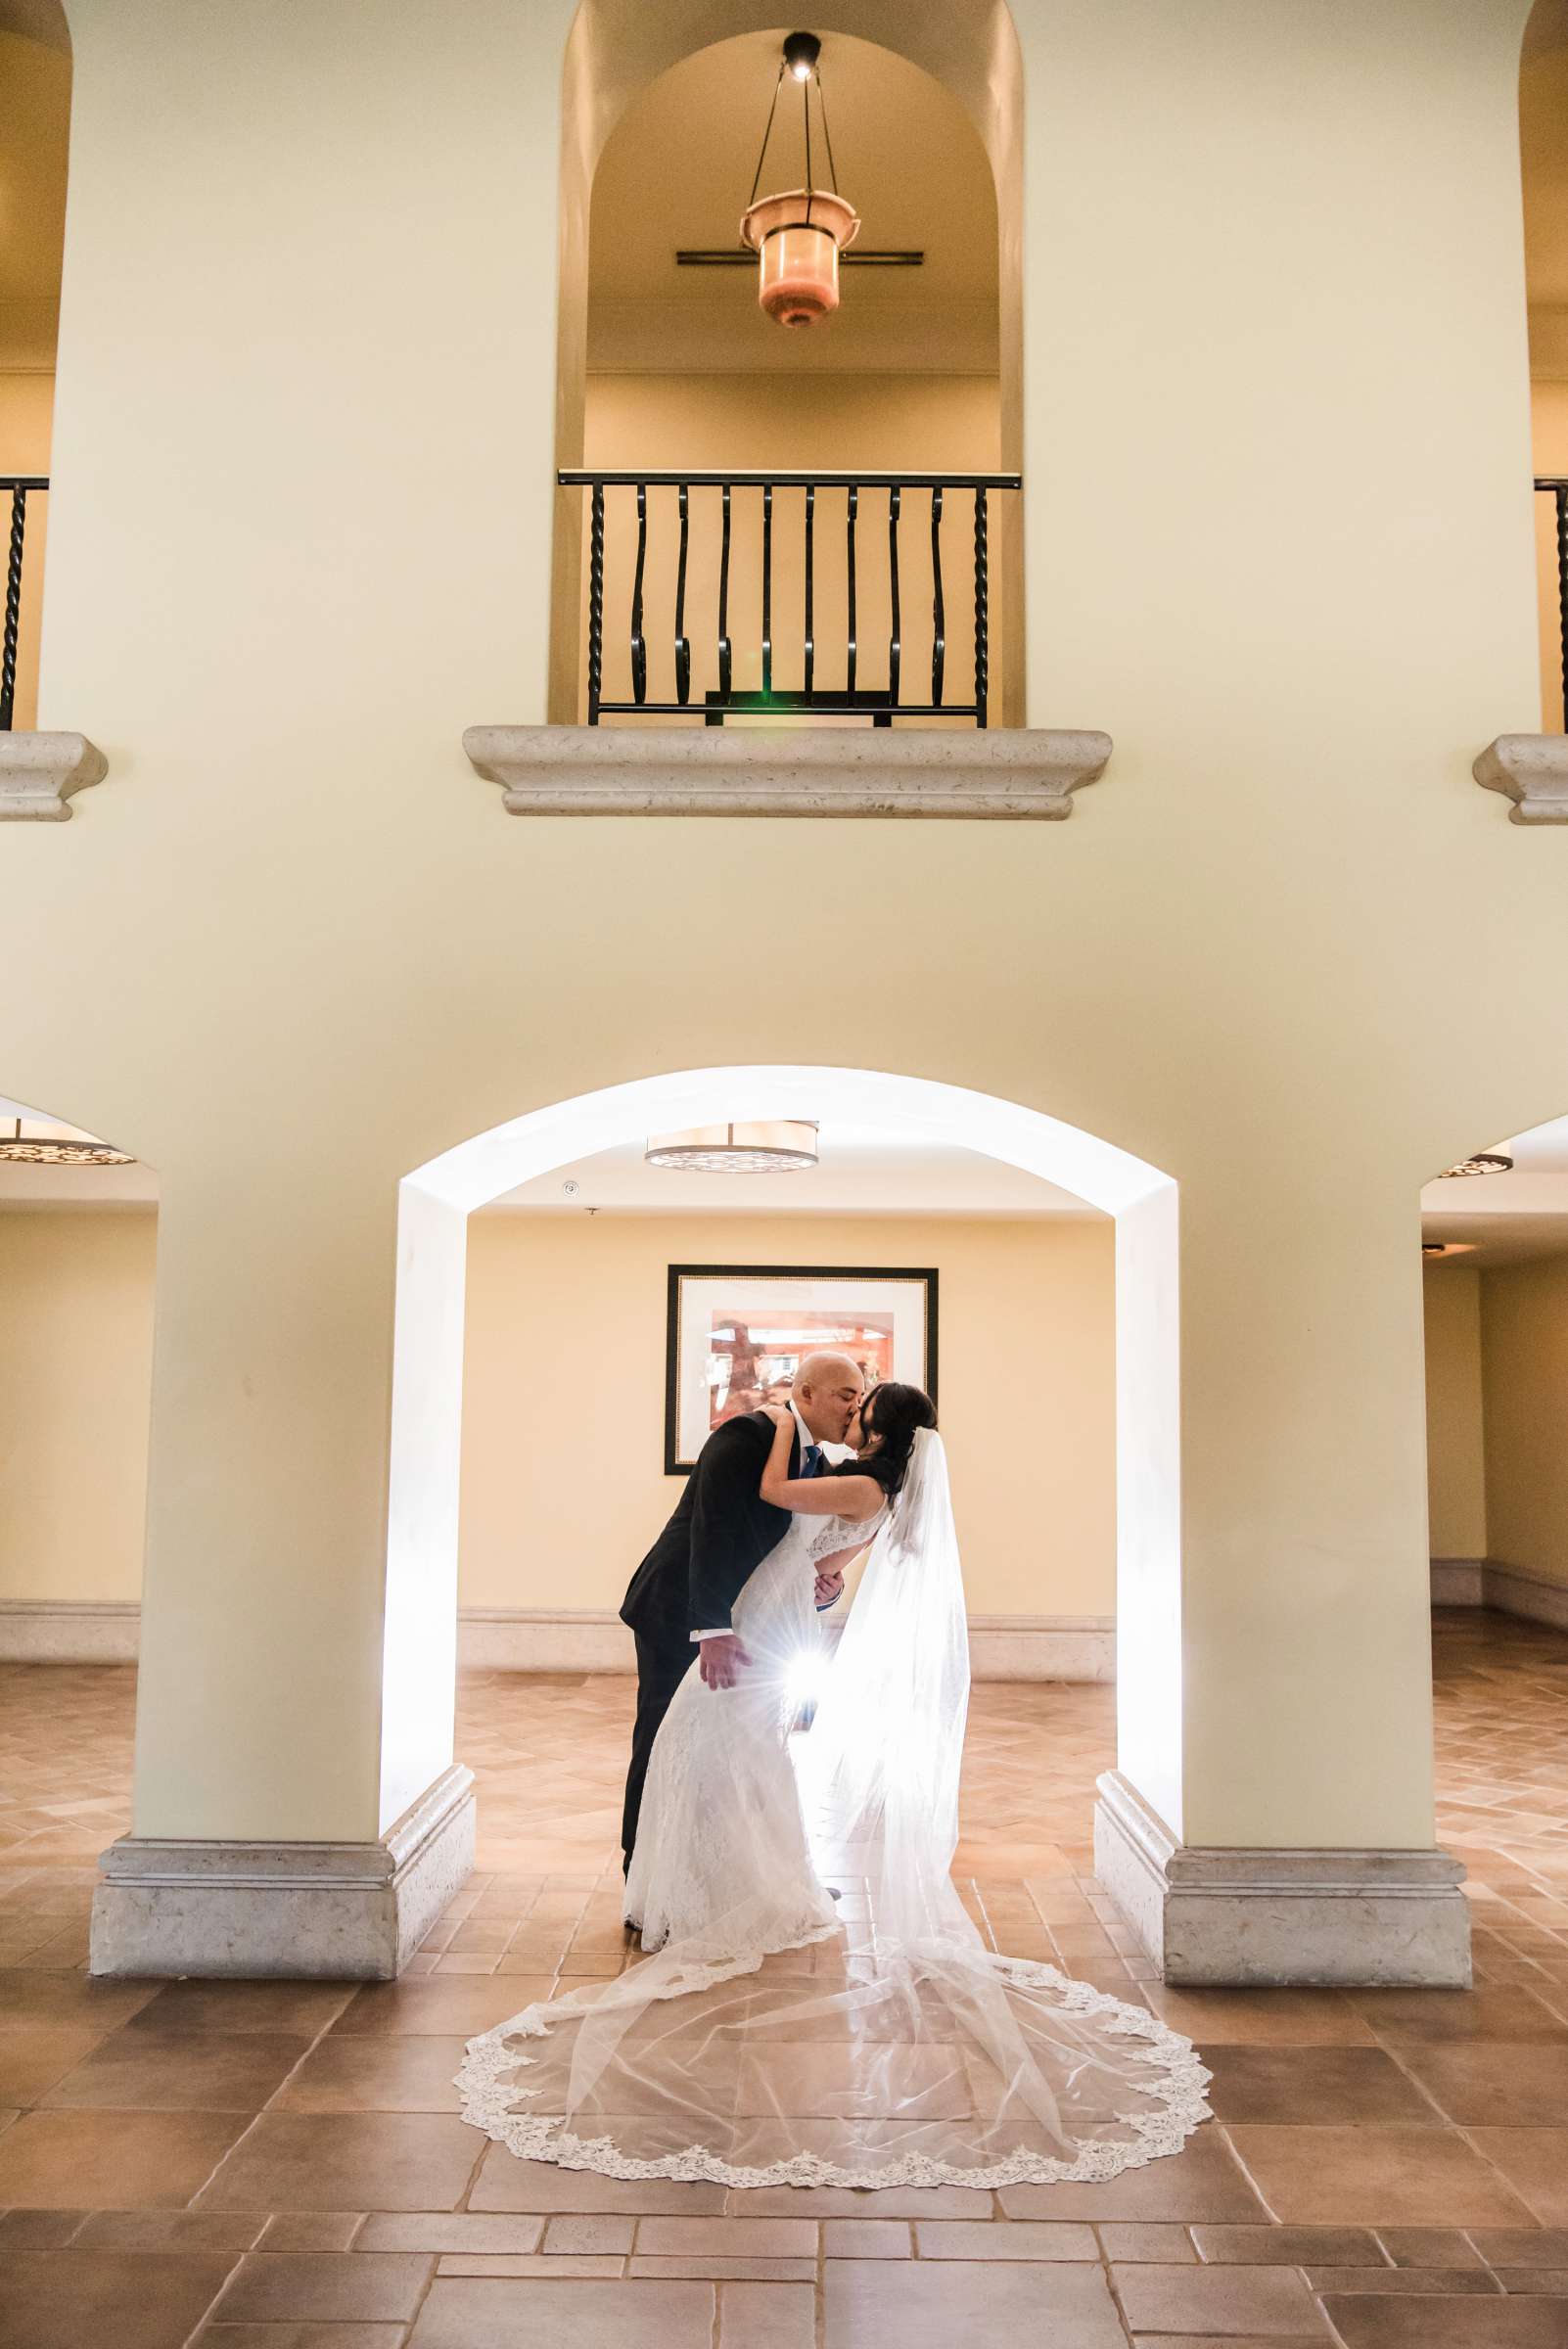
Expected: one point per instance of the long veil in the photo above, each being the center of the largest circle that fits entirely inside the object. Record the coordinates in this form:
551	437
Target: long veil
894	2048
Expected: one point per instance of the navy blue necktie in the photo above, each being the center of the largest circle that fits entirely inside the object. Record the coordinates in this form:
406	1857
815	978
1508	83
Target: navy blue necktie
811	1460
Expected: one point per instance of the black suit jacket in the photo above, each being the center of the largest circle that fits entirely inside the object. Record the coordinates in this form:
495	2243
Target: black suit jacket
721	1530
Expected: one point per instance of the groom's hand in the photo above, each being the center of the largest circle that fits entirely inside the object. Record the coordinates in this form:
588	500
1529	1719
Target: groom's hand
720	1658
830	1588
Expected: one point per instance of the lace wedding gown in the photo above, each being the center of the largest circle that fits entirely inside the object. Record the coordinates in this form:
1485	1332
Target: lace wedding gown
775	2037
720	1832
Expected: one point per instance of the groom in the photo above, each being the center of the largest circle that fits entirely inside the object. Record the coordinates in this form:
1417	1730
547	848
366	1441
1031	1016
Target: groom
679	1599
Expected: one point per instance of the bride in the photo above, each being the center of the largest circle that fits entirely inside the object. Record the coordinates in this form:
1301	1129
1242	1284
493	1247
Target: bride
780	2032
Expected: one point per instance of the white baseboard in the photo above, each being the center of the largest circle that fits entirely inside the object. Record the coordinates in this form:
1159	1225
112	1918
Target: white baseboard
1002	1648
1509	1590
60	1631
1458	1581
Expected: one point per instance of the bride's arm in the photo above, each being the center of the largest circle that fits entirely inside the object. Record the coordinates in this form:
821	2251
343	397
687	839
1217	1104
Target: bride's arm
855	1498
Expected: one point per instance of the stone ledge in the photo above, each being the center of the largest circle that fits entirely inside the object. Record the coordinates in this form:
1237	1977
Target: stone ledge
40	772
346	1910
1240	1917
718	770
1532	771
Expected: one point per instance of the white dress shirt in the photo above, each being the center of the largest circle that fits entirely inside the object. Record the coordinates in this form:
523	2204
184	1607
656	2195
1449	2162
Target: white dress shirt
806	1438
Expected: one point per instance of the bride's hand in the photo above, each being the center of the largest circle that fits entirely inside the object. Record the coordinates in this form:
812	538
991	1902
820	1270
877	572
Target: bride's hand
779	1413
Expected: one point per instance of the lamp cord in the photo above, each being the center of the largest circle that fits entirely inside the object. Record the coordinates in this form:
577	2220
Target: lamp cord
757	180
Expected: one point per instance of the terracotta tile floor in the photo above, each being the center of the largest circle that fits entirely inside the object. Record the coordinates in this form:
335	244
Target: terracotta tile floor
279	2165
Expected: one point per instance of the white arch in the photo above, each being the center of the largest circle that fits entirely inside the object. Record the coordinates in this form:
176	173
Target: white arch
419	1633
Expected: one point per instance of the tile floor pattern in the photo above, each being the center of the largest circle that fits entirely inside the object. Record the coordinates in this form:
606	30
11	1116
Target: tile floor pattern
279	2165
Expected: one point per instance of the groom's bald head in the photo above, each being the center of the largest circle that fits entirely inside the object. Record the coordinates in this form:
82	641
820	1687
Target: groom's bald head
827	1392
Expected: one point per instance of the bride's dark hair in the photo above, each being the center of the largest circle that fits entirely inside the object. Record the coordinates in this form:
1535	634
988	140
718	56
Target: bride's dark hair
896	1413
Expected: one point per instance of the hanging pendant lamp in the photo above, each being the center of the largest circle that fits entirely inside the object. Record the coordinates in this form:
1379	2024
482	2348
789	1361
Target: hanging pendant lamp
38	1142
772	1146
797	235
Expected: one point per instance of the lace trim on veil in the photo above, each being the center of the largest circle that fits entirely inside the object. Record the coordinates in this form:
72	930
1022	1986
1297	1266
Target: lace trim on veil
489	2088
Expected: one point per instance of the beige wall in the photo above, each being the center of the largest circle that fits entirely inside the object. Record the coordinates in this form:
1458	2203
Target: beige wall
1456	1487
308	952
1026	1339
1524	1341
75	1377
566	1368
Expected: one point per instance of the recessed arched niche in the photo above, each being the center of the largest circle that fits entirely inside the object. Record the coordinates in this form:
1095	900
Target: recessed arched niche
663	365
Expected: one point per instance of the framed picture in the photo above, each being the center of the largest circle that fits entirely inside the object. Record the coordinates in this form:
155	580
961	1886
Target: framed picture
736	1335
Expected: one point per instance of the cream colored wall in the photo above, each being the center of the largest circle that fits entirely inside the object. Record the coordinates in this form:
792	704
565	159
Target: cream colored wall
75	1380
927	423
1524	1341
1456	1487
308	952
565	1365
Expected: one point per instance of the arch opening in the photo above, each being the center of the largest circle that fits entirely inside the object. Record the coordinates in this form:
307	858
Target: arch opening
436	1200
665	368
79	1242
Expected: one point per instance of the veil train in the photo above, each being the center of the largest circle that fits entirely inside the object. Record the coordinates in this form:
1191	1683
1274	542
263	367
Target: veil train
891	2048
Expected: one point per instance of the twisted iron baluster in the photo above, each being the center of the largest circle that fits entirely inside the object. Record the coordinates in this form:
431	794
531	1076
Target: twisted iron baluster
683	646
810	523
939	642
895	648
639	649
848	551
982	616
8	657
596	604
723	604
1562	589
768	587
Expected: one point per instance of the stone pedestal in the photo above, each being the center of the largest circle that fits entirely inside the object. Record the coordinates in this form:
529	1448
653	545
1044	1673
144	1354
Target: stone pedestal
343	1910
1269	1917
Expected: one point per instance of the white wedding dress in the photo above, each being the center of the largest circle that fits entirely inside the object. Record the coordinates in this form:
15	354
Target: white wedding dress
720	1832
775	2037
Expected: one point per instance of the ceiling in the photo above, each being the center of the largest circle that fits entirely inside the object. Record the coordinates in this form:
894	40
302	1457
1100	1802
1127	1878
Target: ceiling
678	169
864	1170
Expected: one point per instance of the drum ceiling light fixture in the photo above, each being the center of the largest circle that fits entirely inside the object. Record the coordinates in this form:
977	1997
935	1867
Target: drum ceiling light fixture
1484	1162
773	1146
40	1142
797	235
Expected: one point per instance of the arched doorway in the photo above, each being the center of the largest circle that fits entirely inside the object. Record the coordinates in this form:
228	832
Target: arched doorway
78	1238
679	360
436	1200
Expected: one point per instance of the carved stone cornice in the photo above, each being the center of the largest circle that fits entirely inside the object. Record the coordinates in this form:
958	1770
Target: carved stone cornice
40	772
1532	771
1001	773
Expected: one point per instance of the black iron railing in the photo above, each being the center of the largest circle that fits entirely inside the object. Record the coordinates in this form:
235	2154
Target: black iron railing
1557	490
776	593
18	485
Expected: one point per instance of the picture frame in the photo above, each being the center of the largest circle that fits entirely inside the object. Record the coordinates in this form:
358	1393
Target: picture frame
734	1333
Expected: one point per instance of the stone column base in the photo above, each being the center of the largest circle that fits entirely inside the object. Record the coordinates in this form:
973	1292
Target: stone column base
1236	1917
343	1910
